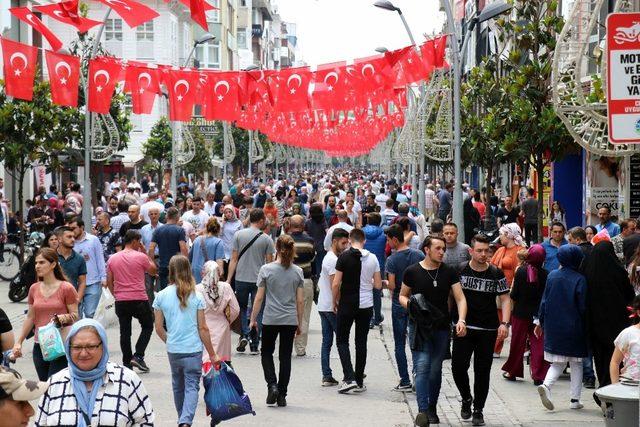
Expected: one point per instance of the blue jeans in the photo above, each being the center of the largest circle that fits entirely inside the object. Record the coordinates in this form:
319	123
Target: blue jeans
186	369
246	293
377	307
90	300
317	262
427	364
328	322
163	278
587	367
399	321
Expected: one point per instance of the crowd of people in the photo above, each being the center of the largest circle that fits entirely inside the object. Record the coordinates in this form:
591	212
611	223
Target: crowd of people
195	265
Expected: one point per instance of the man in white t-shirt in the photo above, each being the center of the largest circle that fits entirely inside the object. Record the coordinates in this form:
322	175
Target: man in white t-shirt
196	216
339	242
151	203
381	199
342	223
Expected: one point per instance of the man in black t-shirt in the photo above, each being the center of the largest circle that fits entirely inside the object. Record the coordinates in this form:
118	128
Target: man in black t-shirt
508	213
481	283
435	281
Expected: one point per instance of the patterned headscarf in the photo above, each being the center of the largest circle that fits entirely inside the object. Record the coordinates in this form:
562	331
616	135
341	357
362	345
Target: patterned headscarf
513	232
210	280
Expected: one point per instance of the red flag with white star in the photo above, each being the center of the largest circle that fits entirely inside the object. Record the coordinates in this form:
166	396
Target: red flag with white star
132	12
104	74
64	12
64	74
222	96
144	84
25	15
182	86
19	68
293	89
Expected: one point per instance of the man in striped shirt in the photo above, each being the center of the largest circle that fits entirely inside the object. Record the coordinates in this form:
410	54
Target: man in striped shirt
305	254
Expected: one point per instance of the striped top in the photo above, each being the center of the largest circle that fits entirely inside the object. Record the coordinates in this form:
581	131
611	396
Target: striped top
305	252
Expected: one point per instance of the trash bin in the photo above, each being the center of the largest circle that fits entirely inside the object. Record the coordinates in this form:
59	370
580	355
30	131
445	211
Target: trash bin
623	408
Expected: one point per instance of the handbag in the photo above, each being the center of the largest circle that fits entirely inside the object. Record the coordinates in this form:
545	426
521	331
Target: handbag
236	325
50	341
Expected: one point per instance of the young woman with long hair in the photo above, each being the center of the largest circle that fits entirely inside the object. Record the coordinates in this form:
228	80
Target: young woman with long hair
52	298
281	282
187	332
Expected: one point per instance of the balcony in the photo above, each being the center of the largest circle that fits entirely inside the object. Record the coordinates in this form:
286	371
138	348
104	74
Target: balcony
264	6
256	30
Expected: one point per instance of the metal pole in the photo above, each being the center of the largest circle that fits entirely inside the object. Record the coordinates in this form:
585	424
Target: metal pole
225	153
87	211
458	217
250	152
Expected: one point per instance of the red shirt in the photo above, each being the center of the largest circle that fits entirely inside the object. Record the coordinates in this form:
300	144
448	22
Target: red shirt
480	207
45	308
128	268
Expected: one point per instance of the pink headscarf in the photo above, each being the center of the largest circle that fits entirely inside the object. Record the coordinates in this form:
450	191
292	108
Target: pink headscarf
535	259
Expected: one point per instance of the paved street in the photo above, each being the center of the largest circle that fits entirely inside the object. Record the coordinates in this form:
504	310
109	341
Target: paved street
509	404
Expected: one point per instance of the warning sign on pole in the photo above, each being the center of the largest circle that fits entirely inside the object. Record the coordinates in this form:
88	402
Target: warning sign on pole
623	77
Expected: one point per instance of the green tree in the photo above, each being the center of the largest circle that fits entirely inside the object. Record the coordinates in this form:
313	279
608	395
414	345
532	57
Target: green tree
34	132
201	162
157	149
536	134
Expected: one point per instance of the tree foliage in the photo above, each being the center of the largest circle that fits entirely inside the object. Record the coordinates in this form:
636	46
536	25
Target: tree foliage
157	149
201	162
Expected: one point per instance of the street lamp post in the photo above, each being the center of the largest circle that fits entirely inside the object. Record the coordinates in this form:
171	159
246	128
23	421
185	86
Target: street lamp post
176	127
387	5
251	68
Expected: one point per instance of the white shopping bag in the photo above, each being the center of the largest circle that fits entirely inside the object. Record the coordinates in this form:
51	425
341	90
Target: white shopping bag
106	310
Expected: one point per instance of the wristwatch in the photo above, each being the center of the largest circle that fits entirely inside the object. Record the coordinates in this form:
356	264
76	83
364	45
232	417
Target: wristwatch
507	324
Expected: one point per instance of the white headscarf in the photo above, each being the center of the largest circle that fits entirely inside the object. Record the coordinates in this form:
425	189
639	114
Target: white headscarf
513	232
210	280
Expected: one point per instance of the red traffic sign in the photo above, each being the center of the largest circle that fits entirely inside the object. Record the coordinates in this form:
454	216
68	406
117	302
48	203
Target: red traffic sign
623	77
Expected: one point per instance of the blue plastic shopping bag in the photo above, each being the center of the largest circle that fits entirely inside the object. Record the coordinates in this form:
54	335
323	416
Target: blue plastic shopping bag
50	341
224	395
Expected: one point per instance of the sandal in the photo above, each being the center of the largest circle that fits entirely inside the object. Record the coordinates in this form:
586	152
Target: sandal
508	377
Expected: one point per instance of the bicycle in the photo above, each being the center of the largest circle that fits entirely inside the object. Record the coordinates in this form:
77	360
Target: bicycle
10	260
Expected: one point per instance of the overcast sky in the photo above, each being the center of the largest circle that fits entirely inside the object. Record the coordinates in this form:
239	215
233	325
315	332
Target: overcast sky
334	30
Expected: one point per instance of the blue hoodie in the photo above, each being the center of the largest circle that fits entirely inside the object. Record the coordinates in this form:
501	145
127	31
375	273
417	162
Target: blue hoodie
376	242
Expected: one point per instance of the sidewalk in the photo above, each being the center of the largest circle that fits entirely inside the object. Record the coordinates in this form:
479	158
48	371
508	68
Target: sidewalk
508	404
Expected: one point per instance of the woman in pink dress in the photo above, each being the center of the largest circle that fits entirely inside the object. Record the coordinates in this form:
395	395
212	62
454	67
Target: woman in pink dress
222	309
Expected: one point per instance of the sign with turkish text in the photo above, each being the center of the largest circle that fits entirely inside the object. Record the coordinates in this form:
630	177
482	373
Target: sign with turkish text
623	77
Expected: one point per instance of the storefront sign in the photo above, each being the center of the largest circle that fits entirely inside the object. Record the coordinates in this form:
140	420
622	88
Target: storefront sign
623	77
634	187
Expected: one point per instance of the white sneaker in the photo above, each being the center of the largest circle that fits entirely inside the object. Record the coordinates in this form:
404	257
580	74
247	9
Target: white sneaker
576	404
346	386
545	397
360	389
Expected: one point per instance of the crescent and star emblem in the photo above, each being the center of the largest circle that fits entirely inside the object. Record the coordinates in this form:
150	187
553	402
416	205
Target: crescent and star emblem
17	71
65	65
106	79
294	77
221	95
124	5
144	76
179	83
368	67
328	77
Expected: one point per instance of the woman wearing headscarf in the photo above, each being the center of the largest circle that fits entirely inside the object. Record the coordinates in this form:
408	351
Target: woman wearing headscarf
316	227
562	317
88	392
506	259
471	220
609	293
528	286
221	309
230	224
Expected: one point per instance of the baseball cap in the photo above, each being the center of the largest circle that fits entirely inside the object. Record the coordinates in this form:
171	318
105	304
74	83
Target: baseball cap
13	385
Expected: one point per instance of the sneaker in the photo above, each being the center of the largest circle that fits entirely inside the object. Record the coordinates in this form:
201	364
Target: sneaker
242	344
272	394
360	389
465	411
432	416
496	355
422	420
254	350
302	354
138	362
545	397
329	382
575	404
347	386
478	419
403	388
537	382
589	383
282	401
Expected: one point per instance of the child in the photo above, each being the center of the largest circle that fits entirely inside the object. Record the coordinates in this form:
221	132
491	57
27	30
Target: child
627	349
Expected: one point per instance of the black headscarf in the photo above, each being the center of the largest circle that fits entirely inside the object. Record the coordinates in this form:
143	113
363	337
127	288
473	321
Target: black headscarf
609	293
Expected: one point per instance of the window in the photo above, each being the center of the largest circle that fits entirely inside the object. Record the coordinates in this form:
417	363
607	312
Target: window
242	38
144	41
243	3
209	55
113	36
214	15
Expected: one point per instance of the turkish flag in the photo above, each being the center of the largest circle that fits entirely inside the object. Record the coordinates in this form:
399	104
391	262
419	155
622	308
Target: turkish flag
255	87
104	74
19	68
293	89
25	15
132	12
143	84
439	46
428	52
375	72
410	67
64	74
63	12
187	3
329	86
222	97
182	86
198	15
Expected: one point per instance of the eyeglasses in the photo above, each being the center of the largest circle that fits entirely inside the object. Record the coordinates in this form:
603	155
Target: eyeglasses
88	348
